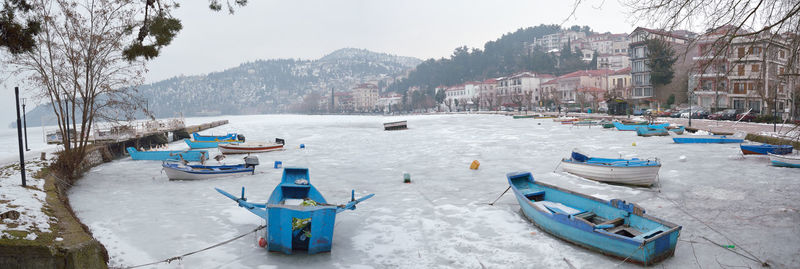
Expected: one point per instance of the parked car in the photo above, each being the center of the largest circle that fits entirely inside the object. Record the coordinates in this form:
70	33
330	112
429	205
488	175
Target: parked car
700	114
665	113
745	117
679	113
716	115
729	114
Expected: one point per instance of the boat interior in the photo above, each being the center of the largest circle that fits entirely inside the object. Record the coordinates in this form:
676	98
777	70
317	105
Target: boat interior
607	218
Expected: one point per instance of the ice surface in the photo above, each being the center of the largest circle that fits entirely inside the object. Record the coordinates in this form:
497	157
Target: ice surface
442	219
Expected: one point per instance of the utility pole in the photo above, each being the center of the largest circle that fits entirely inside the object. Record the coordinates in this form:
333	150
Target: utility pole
25	125
66	113
19	139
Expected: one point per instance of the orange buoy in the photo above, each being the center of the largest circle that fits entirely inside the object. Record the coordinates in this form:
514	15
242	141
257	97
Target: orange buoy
475	164
262	242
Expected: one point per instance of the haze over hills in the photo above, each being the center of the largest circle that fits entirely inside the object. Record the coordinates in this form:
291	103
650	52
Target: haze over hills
263	86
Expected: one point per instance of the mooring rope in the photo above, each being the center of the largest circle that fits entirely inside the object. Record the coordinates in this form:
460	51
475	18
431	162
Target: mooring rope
179	257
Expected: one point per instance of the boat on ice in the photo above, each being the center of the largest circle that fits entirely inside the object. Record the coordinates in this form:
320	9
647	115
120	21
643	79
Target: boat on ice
563	119
181	171
251	147
619	171
523	116
647	131
632	127
163	155
615	228
298	216
207	144
738	137
217	138
763	149
785	160
397	125
676	129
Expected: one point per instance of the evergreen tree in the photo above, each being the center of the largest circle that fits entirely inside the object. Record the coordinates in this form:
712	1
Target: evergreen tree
593	63
660	59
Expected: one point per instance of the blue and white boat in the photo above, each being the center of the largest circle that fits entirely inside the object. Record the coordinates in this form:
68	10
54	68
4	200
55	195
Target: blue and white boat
763	149
298	216
785	160
216	138
207	144
647	131
618	171
163	155
623	127
181	171
677	130
738	137
615	228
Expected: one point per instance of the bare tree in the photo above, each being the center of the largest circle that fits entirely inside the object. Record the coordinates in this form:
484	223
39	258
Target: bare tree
78	66
476	100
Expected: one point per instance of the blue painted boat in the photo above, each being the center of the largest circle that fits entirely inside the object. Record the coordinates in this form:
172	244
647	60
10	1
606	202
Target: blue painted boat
623	127
705	139
647	131
216	138
633	171
677	130
766	148
784	160
613	228
163	155
178	171
207	144
298	217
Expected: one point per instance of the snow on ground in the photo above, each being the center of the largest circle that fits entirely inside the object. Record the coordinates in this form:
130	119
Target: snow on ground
28	201
442	219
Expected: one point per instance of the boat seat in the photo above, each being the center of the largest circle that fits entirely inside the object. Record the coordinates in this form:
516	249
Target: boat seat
610	223
626	231
559	208
533	195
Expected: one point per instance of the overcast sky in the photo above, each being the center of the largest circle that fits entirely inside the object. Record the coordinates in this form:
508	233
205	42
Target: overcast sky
308	29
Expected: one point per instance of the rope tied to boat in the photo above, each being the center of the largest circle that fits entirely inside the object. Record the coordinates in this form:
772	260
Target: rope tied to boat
180	257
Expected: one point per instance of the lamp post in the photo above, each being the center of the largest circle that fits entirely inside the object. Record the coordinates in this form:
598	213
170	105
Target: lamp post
691	94
25	125
19	140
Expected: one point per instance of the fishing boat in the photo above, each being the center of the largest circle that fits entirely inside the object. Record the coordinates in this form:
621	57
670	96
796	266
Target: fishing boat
738	137
181	171
586	122
676	129
624	127
785	160
615	228
216	138
620	171
397	125
647	131
298	216
206	144
763	149
251	147
523	116
163	155
608	124
634	122
562	119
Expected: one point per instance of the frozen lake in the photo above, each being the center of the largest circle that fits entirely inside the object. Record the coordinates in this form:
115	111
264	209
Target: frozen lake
442	219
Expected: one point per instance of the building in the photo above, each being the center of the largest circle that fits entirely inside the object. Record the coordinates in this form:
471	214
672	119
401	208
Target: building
616	61
745	75
365	97
640	74
390	102
521	89
557	41
619	83
585	87
487	92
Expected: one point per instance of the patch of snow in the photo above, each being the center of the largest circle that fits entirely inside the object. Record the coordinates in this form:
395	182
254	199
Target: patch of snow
28	201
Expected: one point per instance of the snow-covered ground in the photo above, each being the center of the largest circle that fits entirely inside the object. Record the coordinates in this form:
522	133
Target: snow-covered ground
442	219
28	201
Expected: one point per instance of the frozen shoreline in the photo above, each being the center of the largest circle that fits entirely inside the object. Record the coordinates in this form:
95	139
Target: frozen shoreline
440	220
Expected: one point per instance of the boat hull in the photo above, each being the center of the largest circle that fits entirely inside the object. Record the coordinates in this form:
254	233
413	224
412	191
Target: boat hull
190	155
639	175
213	138
176	173
648	132
648	249
239	149
785	161
764	149
205	145
623	127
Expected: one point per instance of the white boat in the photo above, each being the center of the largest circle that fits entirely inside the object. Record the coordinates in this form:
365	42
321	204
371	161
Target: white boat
619	171
182	171
250	147
785	160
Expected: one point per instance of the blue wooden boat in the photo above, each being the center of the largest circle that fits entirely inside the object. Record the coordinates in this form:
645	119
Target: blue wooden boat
613	228
763	149
704	139
647	131
677	130
163	155
216	138
178	171
633	171
206	144
623	127
298	217
784	160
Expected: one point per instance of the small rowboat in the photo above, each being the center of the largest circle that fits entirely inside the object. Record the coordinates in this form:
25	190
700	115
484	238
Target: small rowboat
251	147
297	215
619	171
163	155
216	138
738	137
647	131
785	160
564	119
623	127
615	228
180	171
766	148
397	125
206	145
677	130
523	116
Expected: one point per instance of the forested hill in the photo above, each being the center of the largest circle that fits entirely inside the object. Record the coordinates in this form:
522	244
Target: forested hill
506	55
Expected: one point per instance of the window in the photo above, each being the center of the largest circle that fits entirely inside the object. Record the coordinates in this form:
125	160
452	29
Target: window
754	68
741	70
741	52
648	91
738	104
781	54
781	71
738	88
756	106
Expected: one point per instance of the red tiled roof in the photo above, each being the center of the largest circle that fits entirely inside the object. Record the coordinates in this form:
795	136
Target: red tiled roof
590	89
626	70
553	81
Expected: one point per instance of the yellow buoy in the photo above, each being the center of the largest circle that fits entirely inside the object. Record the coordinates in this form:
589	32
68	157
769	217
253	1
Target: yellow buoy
475	164
633	144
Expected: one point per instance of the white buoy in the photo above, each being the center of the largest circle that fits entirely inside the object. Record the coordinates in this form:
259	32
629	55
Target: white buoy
682	158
